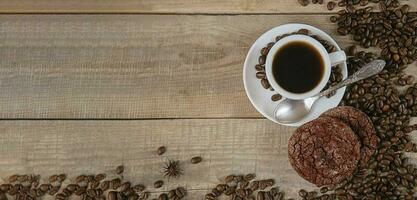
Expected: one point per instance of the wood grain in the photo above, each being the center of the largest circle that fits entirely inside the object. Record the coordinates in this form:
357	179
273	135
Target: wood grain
76	147
84	147
163	6
131	66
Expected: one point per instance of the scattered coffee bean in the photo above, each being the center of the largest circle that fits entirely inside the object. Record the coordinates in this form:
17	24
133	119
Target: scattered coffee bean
120	169
158	184
304	2
161	150
276	97
196	159
331	5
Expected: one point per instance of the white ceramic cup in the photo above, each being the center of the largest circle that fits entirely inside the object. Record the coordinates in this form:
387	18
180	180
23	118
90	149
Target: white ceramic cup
330	60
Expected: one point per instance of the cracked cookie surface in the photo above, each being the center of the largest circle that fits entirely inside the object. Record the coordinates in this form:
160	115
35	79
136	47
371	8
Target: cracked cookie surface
324	151
362	125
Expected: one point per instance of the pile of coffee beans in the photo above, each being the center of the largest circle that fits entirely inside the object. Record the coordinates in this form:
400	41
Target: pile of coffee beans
392	29
245	187
87	187
388	174
335	76
92	186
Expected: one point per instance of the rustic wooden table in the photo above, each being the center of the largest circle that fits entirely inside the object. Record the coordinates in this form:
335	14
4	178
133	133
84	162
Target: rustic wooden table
87	85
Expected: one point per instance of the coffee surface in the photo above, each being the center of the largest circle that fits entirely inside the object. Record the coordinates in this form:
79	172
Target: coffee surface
298	67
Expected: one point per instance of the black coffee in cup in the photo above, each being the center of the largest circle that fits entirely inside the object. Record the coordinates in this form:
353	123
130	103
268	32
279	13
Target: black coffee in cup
298	67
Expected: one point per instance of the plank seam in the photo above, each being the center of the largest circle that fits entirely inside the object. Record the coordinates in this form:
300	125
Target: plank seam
125	119
156	13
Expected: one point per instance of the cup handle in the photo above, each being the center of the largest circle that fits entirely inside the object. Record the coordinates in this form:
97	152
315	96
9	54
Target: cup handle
337	57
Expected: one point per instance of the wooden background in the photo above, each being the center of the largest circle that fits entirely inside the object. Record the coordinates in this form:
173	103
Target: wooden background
86	85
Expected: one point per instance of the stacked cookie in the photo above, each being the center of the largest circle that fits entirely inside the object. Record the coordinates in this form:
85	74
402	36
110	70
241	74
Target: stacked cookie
328	149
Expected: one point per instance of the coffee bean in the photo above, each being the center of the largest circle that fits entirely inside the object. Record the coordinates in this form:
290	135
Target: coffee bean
105	185
276	97
53	178
303	31
229	191
80	178
302	193
221	187
260	75
53	190
259	67
13	178
138	188
5	187
262	60
163	196
125	186
254	185
112	195
264	51
216	192
158	184
80	191
304	2
265	84
263	184
331	5
161	150
210	196
351	50
249	177
115	183
94	184
120	169
229	178
410	80
133	197
196	160
241	193
261	195
144	195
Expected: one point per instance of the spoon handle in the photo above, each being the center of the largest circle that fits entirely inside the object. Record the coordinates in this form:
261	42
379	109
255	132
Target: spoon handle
366	71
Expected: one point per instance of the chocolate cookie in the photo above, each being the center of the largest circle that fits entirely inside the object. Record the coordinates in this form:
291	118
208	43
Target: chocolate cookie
362	125
324	151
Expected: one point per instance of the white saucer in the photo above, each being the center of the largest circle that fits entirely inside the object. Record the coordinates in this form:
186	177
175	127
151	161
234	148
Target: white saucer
261	98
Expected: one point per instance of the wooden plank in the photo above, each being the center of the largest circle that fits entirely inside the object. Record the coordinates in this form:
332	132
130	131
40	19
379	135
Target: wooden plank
157	6
130	66
163	6
84	147
75	147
